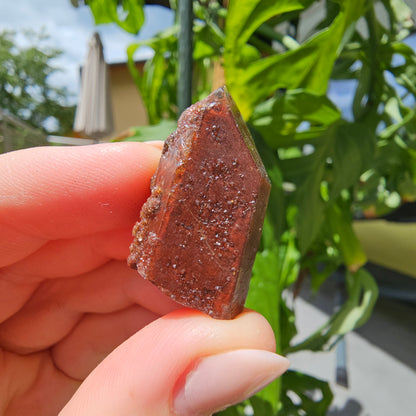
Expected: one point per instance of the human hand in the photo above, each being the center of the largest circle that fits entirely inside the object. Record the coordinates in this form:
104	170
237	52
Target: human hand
82	332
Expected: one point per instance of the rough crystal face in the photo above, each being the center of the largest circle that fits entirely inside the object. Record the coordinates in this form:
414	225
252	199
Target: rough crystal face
200	229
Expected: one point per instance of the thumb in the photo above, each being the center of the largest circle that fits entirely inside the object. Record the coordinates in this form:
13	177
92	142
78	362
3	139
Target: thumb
182	364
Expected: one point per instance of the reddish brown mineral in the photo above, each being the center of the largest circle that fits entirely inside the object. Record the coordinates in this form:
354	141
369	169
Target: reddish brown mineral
200	229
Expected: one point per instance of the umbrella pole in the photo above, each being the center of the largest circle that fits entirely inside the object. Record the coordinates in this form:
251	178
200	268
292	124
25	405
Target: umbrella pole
185	54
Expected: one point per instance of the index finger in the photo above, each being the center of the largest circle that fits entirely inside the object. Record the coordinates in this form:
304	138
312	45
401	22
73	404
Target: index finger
66	192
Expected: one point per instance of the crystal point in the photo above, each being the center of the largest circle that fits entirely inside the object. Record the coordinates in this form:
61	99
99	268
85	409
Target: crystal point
200	229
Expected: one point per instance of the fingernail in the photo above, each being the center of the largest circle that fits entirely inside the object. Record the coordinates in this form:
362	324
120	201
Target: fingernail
218	381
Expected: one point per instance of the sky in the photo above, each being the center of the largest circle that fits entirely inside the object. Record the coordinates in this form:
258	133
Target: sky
71	28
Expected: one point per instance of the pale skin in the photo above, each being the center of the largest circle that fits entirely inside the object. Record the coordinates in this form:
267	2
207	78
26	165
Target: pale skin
68	299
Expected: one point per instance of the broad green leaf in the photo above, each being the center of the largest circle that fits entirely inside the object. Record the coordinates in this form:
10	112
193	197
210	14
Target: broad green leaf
208	41
129	15
276	208
158	82
307	172
287	325
311	209
362	296
278	119
339	156
365	80
261	406
314	395
265	287
354	146
274	269
309	66
245	16
322	267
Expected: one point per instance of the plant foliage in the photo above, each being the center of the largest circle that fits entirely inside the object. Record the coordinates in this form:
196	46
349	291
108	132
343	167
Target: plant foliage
326	164
25	88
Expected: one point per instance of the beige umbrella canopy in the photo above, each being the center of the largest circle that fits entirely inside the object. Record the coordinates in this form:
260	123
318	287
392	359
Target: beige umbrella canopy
93	117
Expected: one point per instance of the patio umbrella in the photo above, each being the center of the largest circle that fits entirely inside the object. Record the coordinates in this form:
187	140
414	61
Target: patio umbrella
93	117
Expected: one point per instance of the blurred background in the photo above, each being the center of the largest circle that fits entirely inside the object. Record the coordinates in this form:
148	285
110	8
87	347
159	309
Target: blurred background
328	89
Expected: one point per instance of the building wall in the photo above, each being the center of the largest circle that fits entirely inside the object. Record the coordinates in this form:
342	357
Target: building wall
128	106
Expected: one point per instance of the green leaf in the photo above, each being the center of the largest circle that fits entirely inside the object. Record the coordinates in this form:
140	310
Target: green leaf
305	388
308	66
287	325
354	146
208	41
157	83
362	296
321	267
278	119
274	269
307	173
340	220
245	16
264	293
275	216
339	157
261	406
129	15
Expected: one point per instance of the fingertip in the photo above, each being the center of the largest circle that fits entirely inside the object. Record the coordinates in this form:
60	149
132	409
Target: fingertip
142	373
220	380
248	318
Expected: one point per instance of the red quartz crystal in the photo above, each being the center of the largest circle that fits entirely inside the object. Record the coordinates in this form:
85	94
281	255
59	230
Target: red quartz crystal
200	229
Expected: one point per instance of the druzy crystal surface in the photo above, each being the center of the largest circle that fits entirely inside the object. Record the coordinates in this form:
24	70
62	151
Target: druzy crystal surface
200	229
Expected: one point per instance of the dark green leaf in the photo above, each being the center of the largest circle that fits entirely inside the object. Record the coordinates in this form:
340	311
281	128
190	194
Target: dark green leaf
274	270
305	388
287	325
353	154
129	15
308	194
362	295
276	207
261	407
